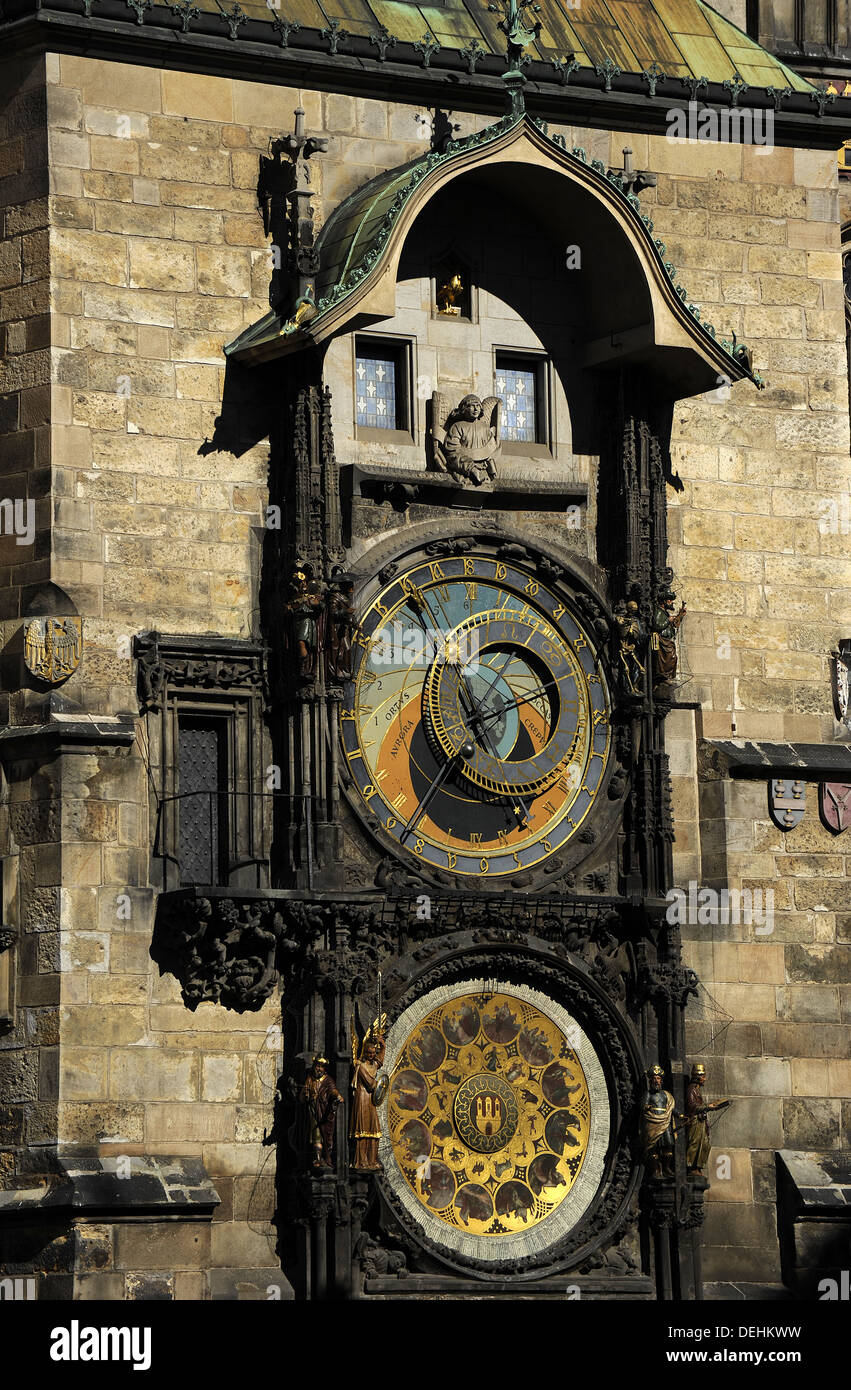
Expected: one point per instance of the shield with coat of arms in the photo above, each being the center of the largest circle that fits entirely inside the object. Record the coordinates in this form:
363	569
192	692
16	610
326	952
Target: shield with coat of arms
834	803
787	802
53	647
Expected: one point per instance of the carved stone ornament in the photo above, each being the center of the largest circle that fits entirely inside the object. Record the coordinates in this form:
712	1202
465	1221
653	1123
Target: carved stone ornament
236	951
189	662
787	802
53	647
840	681
464	442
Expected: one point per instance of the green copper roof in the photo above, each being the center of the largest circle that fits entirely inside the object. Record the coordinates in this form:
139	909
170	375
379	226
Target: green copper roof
687	38
353	240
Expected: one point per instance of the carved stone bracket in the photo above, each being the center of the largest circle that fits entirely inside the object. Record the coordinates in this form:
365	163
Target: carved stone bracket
235	950
665	983
8	937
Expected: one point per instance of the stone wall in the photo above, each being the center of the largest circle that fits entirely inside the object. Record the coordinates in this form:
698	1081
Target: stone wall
760	549
27	976
25	372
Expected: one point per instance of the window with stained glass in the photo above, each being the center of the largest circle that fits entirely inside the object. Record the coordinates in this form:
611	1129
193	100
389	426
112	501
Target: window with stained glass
377	388
516	384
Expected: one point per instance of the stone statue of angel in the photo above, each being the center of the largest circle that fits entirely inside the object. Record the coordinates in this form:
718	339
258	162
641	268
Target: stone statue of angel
465	441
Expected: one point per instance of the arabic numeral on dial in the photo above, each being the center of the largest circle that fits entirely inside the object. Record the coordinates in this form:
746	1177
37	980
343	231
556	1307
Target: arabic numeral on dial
419	846
547	846
484	865
531	588
368	791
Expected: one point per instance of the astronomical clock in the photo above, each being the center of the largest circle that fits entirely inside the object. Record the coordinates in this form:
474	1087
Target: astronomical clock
479	732
470	650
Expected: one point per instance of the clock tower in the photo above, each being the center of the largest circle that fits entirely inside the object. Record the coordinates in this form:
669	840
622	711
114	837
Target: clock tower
472	647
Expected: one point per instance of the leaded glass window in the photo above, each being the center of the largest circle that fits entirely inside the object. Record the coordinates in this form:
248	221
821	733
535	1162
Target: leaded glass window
200	755
516	384
376	389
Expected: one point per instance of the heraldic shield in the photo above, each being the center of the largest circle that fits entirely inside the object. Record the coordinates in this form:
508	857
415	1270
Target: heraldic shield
834	804
787	802
53	647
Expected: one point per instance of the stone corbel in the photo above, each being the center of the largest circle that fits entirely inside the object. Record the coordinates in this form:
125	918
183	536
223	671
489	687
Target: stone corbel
237	949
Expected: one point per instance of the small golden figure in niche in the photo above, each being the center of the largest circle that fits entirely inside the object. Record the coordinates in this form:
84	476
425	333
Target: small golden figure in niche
449	294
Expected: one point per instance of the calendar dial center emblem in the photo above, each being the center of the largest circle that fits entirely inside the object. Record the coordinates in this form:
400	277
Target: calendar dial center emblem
478	731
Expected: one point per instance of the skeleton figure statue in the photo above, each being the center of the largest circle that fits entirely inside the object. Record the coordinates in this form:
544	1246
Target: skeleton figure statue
465	441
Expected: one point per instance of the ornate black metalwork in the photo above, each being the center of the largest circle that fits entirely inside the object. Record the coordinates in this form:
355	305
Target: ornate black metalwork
608	71
285	27
335	34
565	67
185	12
234	18
472	53
427	46
382	40
653	76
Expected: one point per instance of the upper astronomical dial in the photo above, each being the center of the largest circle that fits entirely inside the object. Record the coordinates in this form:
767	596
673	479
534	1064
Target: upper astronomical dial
479	726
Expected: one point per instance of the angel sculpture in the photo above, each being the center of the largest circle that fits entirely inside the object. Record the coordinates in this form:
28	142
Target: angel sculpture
368	1091
465	441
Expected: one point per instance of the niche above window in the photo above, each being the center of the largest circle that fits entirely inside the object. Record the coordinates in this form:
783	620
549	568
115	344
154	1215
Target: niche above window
453	293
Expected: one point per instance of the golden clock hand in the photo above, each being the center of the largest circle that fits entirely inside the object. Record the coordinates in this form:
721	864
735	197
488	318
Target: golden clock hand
466	751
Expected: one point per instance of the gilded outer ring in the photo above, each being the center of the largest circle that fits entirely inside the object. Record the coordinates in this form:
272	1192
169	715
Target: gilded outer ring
479	1088
449	745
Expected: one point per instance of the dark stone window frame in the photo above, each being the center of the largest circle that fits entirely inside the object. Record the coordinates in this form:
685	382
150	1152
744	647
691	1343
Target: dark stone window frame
218	682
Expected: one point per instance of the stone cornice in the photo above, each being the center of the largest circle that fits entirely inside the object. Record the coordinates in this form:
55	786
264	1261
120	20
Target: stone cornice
66	734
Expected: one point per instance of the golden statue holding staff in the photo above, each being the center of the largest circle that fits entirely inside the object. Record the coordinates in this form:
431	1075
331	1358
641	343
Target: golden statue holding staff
368	1090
